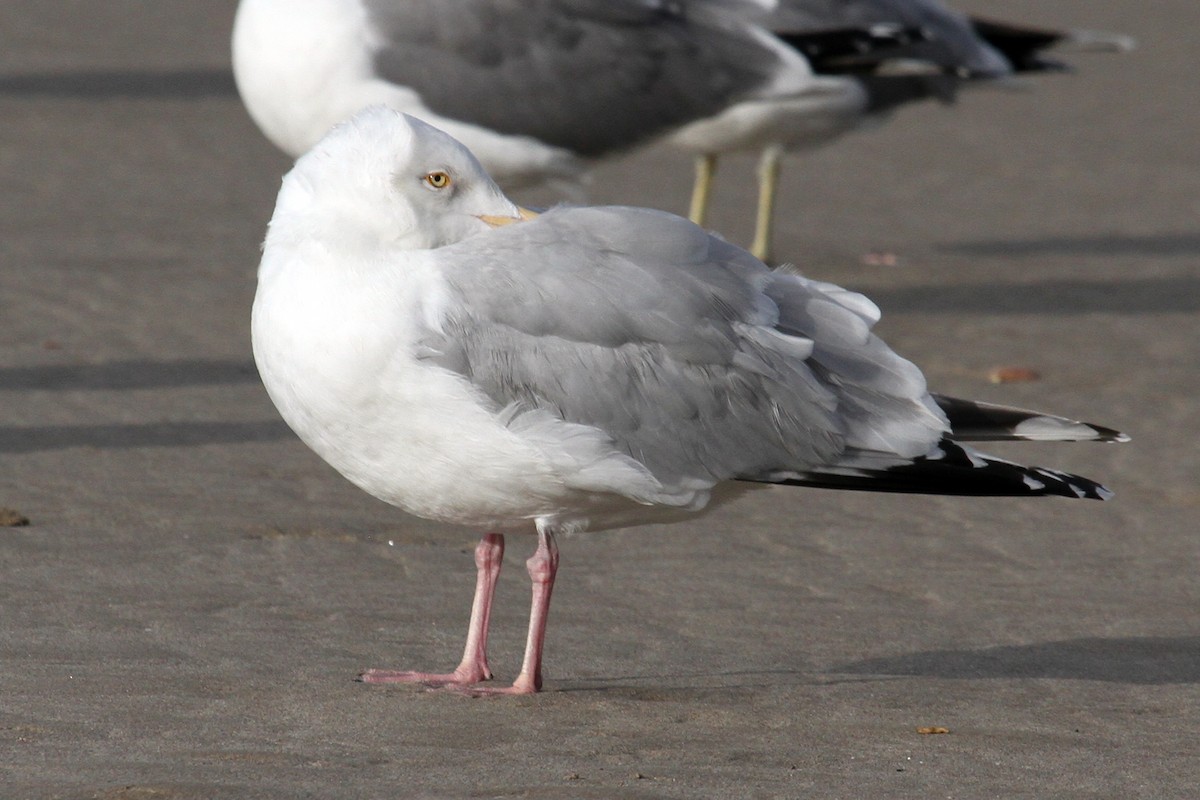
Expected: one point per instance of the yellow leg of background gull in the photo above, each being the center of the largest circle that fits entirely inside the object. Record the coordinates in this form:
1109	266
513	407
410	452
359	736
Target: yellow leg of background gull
706	167
768	178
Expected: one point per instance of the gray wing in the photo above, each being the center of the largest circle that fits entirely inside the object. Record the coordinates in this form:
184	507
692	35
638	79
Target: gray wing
591	76
693	357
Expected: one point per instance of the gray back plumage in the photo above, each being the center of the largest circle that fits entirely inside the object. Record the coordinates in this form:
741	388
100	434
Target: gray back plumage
592	76
696	359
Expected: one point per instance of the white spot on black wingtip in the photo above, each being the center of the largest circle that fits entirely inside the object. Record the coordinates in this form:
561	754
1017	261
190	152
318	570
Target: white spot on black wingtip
978	421
1052	429
1034	484
1078	486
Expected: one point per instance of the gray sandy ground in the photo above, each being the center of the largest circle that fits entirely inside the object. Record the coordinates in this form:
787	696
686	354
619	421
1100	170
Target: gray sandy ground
185	612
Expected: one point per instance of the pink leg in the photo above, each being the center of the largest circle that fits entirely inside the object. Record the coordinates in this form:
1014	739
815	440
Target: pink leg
542	566
489	554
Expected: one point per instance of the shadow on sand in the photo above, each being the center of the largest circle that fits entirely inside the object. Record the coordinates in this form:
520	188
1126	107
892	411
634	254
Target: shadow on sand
1162	244
130	374
1167	295
152	434
102	84
1139	660
1150	661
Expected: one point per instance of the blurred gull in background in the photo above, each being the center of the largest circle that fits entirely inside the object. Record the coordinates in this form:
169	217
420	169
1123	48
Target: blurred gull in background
536	88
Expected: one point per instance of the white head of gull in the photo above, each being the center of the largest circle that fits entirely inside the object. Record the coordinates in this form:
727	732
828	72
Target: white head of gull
583	368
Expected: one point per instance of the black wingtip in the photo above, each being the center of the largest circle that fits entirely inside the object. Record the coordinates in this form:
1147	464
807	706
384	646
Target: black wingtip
973	421
1025	46
954	470
854	50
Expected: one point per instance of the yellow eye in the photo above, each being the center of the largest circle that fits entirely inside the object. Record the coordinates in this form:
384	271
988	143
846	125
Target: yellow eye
438	180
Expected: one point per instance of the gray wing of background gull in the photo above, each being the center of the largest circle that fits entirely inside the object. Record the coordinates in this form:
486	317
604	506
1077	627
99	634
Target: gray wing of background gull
590	76
703	365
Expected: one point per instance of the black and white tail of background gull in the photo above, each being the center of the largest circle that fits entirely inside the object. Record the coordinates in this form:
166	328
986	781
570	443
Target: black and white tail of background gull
952	468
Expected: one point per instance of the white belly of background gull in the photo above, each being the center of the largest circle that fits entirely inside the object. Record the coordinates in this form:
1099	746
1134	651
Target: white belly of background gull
589	367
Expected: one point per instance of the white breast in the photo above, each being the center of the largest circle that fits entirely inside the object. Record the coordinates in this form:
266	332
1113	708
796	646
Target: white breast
339	356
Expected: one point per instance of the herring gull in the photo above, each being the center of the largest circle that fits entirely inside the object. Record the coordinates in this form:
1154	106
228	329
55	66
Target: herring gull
589	367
